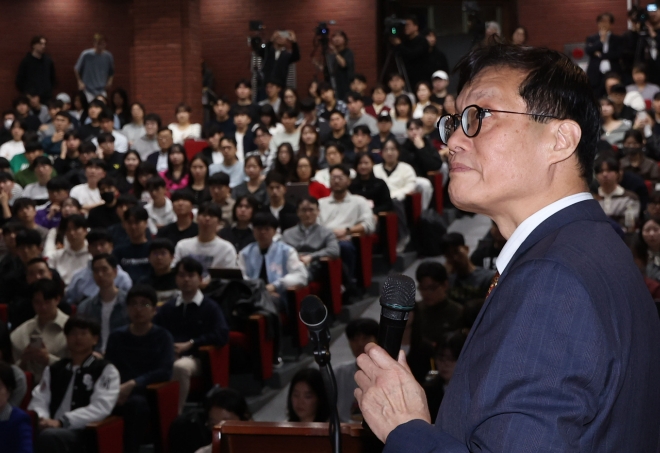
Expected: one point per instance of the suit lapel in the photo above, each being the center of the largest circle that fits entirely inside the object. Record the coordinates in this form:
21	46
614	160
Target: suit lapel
584	210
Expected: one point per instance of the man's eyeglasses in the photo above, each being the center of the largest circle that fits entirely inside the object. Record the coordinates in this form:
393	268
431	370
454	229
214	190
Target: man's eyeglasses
470	121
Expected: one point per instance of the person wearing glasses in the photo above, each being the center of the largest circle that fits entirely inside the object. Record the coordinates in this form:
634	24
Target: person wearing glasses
143	353
558	358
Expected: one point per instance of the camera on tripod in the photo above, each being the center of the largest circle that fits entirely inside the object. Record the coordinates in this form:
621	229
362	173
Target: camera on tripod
394	26
255	41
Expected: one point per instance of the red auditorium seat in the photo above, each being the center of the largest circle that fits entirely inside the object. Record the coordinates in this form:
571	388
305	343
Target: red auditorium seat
388	234
193	147
364	245
164	402
29	378
437	180
414	208
215	366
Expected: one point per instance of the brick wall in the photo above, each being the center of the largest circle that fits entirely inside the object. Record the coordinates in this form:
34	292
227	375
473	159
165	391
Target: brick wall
225	30
552	25
69	26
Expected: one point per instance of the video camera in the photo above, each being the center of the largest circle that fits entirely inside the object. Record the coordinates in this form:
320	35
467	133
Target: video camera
255	41
394	26
640	15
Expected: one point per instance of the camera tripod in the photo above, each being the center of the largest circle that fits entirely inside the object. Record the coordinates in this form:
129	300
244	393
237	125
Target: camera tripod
401	68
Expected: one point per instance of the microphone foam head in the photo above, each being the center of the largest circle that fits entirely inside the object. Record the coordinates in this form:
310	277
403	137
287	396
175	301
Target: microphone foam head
398	293
312	311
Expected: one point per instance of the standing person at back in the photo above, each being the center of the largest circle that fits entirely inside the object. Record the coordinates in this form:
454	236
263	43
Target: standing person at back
36	73
95	69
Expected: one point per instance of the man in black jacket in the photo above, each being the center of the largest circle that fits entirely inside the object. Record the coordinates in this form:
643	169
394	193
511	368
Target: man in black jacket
414	51
277	58
36	72
604	50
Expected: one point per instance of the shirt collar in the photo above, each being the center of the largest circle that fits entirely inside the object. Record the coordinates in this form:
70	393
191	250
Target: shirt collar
530	223
197	300
346	198
616	193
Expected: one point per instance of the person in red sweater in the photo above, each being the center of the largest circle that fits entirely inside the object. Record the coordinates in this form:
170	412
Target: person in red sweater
305	170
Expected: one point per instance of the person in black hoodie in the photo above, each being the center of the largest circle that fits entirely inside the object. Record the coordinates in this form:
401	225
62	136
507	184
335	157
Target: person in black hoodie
423	157
36	73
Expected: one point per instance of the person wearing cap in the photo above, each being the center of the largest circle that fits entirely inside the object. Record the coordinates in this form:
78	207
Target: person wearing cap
143	354
95	69
36	73
440	82
356	116
88	194
384	132
82	284
66	101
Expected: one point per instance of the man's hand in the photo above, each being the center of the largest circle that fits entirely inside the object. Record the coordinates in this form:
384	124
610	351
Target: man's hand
125	391
4	198
57	137
53	210
31	354
306	259
45	423
340	233
81	85
180	348
387	392
418	141
272	290
395	40
292	36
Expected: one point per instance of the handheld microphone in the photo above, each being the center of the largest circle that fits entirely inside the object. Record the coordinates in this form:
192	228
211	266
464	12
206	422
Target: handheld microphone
314	315
397	301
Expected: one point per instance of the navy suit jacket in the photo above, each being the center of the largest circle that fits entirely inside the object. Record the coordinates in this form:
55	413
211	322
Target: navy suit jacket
563	357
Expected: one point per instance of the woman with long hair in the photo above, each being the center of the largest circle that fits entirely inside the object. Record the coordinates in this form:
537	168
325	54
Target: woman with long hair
612	128
144	171
134	129
120	106
310	145
370	187
55	239
307	400
128	170
423	92
240	232
305	170
198	182
255	186
268	118
79	106
284	161
290	100
402	112
183	129
177	174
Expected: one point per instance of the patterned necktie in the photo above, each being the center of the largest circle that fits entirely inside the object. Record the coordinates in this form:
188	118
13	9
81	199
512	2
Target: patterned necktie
493	283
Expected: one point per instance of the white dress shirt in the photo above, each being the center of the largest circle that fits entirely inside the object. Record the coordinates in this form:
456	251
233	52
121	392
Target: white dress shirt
530	223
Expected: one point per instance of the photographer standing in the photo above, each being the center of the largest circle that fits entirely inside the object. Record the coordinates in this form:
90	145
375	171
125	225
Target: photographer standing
341	64
277	57
604	50
414	50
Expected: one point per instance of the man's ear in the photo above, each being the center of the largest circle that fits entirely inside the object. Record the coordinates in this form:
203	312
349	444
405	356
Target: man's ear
567	134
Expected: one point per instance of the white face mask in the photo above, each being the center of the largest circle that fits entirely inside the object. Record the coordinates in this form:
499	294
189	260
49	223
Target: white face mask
8	124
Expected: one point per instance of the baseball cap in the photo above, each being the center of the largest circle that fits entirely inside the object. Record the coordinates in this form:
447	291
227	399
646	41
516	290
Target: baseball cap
440	75
64	98
384	116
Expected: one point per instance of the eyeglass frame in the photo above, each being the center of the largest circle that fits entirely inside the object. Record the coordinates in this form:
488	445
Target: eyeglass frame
480	112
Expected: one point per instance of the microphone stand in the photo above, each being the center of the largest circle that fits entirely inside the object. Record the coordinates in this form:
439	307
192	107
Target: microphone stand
322	358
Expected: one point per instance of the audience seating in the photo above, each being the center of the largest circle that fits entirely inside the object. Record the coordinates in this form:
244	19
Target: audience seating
260	347
193	147
332	286
164	402
215	366
388	234
296	327
438	189
364	245
413	208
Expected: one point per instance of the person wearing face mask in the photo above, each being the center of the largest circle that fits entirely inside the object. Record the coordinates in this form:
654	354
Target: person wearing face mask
634	147
106	214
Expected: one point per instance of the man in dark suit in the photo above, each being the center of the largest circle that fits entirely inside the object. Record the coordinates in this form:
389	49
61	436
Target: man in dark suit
277	58
159	158
604	50
562	356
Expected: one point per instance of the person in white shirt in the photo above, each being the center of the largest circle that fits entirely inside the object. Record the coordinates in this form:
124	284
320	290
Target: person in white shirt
207	248
14	146
345	214
160	208
74	392
423	92
230	165
74	256
619	204
88	194
107	120
399	176
108	307
334	155
291	135
183	129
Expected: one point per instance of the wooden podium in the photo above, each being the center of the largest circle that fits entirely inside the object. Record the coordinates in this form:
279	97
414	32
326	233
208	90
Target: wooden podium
285	437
